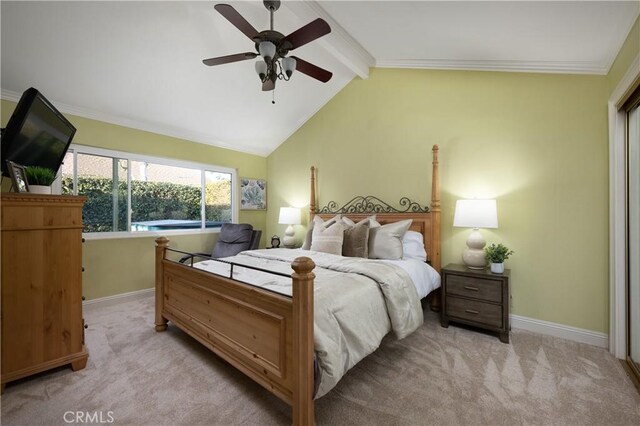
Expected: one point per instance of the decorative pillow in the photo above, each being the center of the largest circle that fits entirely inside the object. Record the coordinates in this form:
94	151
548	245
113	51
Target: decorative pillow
373	223
356	238
413	246
328	238
385	242
309	236
371	219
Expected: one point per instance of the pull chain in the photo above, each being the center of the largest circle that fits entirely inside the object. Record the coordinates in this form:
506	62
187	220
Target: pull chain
273	96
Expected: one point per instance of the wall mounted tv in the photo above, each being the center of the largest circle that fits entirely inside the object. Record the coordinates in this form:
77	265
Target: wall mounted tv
36	134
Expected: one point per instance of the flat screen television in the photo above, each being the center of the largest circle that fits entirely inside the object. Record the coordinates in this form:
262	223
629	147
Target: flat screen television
36	134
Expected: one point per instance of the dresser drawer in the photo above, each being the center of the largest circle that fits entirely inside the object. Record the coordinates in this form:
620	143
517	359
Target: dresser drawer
471	310
478	288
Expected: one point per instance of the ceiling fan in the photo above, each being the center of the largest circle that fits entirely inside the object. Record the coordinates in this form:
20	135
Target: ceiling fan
274	47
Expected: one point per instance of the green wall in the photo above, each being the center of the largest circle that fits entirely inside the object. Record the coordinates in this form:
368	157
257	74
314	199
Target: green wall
535	142
122	265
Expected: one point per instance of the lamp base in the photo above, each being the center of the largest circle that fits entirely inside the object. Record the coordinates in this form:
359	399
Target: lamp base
474	259
474	256
289	240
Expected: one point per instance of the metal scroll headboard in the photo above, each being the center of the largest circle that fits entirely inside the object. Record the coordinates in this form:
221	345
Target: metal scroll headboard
371	204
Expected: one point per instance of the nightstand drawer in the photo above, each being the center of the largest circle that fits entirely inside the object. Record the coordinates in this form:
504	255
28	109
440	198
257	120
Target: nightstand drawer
471	310
478	288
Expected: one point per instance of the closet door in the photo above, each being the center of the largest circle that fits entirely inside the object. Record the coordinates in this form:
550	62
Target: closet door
633	236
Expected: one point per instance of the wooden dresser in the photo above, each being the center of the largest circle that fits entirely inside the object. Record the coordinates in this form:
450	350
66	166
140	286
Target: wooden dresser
476	297
41	307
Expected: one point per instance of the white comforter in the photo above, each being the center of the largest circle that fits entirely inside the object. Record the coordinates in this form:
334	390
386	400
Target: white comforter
356	301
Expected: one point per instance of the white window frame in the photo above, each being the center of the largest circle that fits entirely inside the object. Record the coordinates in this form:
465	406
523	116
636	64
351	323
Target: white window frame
83	149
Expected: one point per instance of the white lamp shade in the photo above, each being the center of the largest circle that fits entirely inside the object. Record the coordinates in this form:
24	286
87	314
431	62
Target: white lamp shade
261	67
476	214
289	216
289	65
267	49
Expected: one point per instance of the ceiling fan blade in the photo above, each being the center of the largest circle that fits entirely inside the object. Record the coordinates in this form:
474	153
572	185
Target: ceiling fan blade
312	70
237	20
268	85
311	31
229	58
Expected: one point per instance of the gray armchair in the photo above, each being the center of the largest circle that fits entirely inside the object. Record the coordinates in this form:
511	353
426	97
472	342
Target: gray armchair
233	238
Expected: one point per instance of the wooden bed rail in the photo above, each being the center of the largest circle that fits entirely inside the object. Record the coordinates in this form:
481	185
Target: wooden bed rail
267	336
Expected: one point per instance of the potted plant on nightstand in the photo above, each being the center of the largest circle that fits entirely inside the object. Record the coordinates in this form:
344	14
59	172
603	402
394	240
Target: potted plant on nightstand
40	179
497	254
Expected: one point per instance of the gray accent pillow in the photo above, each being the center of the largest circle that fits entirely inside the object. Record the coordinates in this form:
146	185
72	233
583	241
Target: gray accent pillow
371	219
385	242
328	237
356	238
309	236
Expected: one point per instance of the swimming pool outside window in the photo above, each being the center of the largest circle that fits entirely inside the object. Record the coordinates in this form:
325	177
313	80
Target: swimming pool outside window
129	193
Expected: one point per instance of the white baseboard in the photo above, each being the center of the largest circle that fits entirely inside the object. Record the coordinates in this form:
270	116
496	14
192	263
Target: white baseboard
523	323
560	330
118	298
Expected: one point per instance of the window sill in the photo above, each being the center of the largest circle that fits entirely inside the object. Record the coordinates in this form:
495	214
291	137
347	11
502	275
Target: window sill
146	234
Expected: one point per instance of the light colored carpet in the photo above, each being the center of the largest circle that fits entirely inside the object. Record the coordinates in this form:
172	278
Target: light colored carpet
435	376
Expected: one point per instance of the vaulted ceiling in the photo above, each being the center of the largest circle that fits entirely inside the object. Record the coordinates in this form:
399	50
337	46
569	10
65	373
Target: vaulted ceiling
138	64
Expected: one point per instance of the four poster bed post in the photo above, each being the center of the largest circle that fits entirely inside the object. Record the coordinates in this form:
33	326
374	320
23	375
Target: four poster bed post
266	335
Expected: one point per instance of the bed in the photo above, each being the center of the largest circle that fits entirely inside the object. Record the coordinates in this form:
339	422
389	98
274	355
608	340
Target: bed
279	328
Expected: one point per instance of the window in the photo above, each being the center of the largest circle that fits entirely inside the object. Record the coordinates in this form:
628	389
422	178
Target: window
131	194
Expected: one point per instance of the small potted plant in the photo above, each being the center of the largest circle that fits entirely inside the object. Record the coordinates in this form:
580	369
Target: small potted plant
497	254
40	179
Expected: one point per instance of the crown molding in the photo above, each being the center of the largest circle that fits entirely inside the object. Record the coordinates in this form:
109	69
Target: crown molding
555	67
341	45
187	135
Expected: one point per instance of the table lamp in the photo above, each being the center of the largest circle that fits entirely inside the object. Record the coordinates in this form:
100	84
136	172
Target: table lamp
289	216
475	214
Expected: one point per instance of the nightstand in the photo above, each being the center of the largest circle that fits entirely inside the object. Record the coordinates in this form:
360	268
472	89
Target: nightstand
476	297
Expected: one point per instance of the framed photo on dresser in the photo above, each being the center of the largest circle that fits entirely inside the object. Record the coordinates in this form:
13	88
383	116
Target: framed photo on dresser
18	177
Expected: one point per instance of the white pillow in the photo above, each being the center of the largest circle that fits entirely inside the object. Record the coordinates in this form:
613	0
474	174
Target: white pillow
309	236
373	223
385	242
328	237
413	246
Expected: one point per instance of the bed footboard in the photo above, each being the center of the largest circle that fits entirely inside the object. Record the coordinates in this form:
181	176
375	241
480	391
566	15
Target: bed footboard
267	336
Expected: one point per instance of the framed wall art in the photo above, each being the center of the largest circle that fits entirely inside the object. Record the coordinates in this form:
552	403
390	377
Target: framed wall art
253	194
18	177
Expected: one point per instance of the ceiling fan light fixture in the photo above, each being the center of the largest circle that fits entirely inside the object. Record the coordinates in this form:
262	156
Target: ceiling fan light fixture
289	65
261	69
267	50
273	47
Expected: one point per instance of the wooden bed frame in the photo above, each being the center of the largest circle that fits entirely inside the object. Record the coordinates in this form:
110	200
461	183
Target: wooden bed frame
267	336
